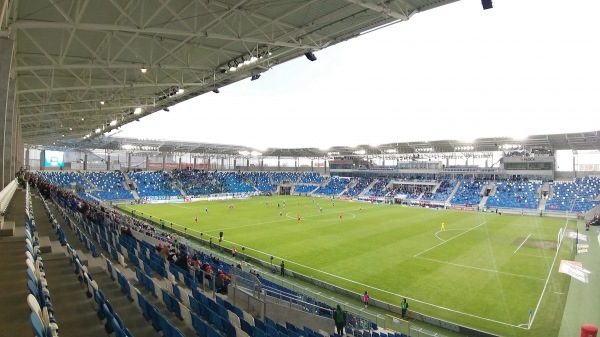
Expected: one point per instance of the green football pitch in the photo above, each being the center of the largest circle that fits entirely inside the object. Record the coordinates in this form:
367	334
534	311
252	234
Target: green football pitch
488	271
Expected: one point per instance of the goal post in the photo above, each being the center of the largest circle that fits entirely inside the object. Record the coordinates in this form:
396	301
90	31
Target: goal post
397	325
561	234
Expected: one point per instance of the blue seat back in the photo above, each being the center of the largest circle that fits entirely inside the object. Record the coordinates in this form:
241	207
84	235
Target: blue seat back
198	325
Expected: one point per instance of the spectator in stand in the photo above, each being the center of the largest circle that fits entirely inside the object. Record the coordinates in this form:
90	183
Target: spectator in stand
339	317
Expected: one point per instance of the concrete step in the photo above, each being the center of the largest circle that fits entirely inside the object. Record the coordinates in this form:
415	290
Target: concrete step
7	228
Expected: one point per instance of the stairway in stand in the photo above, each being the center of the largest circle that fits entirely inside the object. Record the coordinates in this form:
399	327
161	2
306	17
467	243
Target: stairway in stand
14	311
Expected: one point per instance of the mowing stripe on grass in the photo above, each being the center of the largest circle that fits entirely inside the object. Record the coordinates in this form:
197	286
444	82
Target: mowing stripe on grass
532	255
483	269
399	295
522	243
441	243
537	307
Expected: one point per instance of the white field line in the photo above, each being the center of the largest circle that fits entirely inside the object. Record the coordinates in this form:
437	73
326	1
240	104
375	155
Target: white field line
367	285
398	295
438	232
537	307
483	269
441	243
522	243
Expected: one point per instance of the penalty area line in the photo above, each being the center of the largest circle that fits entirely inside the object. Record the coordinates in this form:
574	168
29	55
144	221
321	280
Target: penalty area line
521	245
441	243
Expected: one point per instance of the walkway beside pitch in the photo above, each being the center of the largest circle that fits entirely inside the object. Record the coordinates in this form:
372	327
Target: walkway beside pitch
582	300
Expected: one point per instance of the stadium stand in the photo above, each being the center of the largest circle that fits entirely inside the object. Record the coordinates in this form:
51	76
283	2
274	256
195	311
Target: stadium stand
234	182
110	185
197	182
469	193
334	186
261	181
442	192
154	184
577	196
515	194
67	180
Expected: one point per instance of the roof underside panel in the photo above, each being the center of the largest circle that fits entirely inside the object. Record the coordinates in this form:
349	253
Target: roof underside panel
78	64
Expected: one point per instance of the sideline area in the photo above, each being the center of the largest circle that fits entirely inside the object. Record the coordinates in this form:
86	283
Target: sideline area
582	300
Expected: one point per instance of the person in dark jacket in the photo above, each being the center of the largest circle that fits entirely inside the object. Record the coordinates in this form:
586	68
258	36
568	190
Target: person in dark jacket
339	316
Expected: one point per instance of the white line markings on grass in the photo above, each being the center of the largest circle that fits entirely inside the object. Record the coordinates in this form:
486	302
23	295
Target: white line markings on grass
547	281
522	243
441	243
483	269
438	232
370	286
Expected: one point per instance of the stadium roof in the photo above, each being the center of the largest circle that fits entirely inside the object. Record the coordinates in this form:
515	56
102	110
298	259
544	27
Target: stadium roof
85	68
551	142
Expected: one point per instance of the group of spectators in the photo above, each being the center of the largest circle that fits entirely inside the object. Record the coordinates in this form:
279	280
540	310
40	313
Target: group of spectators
167	247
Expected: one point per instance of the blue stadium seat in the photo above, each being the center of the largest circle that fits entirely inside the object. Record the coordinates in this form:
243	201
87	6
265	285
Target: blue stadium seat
38	326
247	327
199	325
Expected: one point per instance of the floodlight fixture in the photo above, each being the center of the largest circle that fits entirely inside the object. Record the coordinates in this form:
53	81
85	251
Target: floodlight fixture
137	111
255	77
101	102
143	70
310	56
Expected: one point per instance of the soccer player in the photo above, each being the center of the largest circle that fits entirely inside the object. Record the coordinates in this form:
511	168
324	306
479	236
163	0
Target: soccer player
196	219
280	213
298	217
340	216
206	210
443	227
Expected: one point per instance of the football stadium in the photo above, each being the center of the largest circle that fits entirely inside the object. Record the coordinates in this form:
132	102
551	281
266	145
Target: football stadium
108	234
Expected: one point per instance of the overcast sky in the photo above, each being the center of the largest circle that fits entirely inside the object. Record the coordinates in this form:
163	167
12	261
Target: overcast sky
454	72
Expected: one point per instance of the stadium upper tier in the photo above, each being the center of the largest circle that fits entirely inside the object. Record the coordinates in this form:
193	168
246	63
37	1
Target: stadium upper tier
580	195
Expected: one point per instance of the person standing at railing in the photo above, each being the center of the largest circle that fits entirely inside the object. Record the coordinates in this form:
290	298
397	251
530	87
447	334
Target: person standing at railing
339	317
366	299
404	307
